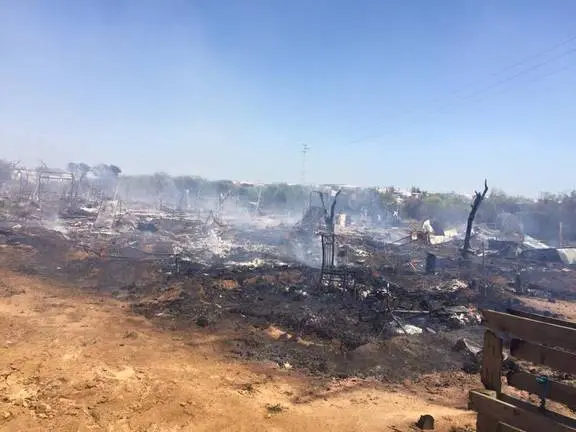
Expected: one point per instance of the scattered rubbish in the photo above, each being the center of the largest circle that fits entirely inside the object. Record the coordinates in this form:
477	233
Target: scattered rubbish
452	286
464	345
408	329
146	227
342	274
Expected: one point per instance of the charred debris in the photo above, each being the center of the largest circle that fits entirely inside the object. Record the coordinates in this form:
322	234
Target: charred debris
332	274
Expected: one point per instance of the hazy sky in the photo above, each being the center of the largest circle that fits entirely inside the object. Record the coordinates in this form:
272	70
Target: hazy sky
438	93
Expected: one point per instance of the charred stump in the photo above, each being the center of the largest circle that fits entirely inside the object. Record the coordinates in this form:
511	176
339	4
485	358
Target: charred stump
478	198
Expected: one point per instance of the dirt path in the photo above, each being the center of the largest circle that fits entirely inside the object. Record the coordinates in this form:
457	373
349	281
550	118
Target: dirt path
75	362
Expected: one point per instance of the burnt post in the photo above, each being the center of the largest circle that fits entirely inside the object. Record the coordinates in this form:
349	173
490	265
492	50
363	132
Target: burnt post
518	286
478	198
430	263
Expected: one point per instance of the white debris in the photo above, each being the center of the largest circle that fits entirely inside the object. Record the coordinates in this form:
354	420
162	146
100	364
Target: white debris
452	286
408	329
89	210
427	226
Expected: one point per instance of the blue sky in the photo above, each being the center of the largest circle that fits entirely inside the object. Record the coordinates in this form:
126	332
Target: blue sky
438	93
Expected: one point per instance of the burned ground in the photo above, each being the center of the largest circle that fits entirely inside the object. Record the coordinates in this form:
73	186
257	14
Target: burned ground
322	331
260	296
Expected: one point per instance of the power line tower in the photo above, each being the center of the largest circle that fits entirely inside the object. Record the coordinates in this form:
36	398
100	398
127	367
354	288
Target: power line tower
305	149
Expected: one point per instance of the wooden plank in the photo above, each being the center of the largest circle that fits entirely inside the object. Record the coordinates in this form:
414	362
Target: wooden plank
546	356
530	408
486	423
515	416
503	427
529	329
543	318
492	362
559	392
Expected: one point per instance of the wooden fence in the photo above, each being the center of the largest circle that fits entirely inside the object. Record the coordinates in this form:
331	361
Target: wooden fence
537	339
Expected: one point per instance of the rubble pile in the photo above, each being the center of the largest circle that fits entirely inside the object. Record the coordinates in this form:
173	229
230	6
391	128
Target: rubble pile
383	302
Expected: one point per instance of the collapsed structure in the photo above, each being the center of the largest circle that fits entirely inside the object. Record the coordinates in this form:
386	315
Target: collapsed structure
330	282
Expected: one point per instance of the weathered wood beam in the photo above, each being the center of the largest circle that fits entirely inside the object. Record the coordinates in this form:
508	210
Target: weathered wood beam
513	415
529	329
556	391
535	410
542	355
503	427
542	318
492	362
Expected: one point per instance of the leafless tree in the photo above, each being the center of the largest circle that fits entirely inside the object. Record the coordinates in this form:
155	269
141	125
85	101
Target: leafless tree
329	216
222	197
478	198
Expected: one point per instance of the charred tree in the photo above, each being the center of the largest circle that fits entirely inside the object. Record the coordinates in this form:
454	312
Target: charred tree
328	238
478	198
329	215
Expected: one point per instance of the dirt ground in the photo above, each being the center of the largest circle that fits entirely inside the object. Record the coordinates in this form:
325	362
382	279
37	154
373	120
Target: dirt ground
563	308
72	361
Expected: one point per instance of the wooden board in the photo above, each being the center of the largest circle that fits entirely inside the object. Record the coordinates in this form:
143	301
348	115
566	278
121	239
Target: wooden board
529	329
486	423
542	318
531	408
546	356
513	415
563	393
503	427
492	362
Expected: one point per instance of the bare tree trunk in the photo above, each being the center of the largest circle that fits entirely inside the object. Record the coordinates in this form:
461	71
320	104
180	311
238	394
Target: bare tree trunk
328	238
478	198
329	217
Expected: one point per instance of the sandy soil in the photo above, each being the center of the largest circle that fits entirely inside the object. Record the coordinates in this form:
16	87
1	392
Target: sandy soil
71	361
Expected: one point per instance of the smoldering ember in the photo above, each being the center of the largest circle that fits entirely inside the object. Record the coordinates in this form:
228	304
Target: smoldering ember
333	281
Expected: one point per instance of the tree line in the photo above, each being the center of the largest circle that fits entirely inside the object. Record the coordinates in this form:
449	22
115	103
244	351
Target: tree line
541	218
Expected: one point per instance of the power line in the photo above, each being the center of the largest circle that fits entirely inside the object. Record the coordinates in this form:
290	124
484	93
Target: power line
521	73
493	85
555	72
545	51
539	78
517	63
506	80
